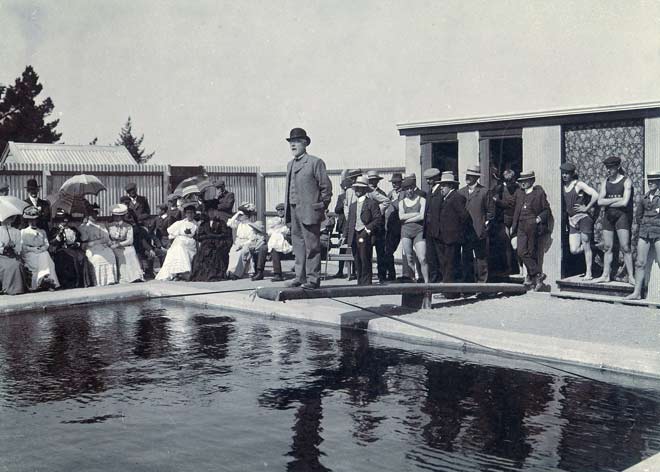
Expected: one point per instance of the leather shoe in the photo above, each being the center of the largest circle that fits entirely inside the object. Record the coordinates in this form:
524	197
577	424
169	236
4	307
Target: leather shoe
259	275
311	285
294	283
277	278
351	277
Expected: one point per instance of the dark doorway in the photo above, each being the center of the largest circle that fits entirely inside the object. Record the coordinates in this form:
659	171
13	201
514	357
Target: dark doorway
444	156
505	153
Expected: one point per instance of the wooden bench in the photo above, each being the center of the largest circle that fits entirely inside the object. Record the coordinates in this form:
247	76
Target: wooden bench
412	295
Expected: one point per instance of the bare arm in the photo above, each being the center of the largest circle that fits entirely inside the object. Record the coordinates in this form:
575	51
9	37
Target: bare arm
418	216
602	201
627	192
581	186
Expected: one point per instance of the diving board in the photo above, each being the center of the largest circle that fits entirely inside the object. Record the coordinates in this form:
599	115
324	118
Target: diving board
412	295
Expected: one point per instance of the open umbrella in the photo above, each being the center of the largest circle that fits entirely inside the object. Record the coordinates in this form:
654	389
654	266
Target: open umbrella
75	205
10	206
196	184
82	184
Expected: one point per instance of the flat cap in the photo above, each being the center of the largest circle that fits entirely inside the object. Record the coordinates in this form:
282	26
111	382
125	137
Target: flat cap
567	167
408	182
431	173
612	161
280	206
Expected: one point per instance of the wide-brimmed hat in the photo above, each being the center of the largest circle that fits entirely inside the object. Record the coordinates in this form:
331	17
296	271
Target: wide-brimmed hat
653	175
120	209
474	171
298	134
612	161
61	214
567	167
412	175
31	213
130	186
247	207
354	173
448	177
526	175
396	177
361	182
280	206
32	184
373	175
431	173
257	226
219	183
408	182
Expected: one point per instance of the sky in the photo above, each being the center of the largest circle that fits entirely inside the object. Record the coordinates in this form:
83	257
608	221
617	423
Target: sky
223	82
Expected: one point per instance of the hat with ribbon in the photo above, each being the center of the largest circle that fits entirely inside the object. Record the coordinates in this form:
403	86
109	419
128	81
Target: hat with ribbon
653	175
247	207
354	173
298	134
257	226
396	177
120	209
432	173
373	175
361	182
31	213
474	171
529	175
32	184
448	177
568	167
612	161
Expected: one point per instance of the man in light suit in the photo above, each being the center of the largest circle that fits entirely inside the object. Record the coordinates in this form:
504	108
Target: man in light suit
308	194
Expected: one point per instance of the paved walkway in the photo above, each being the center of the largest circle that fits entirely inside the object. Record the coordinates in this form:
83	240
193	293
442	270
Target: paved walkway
613	337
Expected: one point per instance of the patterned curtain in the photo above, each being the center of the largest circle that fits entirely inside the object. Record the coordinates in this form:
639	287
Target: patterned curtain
587	145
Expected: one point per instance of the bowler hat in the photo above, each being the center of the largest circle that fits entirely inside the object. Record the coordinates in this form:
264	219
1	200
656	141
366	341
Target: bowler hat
361	181
373	174
432	173
653	175
448	177
280	206
612	161
567	167
130	186
396	177
31	213
354	173
408	182
298	134
474	171
32	184
526	175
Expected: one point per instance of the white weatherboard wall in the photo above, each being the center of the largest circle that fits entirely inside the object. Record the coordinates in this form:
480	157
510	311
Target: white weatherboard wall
414	156
652	163
468	153
542	154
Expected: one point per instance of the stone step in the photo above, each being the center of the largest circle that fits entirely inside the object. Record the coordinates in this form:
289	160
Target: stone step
578	285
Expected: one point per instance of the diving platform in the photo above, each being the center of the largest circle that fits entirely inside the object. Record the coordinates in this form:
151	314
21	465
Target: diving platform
412	295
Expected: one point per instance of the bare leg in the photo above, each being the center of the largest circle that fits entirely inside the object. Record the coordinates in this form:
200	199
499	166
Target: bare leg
588	254
642	255
407	246
608	242
624	244
575	243
420	250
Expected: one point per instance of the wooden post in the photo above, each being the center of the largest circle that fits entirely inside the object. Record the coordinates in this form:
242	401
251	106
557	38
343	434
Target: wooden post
261	198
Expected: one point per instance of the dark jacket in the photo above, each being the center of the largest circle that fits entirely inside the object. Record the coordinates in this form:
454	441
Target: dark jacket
432	223
454	219
226	205
140	208
481	208
339	211
505	202
370	215
538	203
43	222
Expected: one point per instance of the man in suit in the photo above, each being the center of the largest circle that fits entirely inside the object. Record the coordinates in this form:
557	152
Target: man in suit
453	220
380	197
226	200
139	207
392	225
434	251
43	221
481	208
308	194
362	226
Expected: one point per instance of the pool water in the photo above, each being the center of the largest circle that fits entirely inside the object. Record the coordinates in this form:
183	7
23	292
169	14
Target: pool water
168	387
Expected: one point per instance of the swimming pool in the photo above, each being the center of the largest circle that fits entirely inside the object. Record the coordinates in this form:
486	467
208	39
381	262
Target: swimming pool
168	387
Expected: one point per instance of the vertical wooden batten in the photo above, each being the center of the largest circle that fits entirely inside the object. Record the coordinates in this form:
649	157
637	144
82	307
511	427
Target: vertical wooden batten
414	156
652	163
468	152
542	154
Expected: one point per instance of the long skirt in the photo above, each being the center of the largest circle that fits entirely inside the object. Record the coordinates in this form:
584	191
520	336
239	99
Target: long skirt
239	261
104	263
40	266
128	264
11	276
73	269
178	259
209	264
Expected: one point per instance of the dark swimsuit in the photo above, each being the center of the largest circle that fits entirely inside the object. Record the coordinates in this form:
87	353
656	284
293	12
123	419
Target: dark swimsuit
617	218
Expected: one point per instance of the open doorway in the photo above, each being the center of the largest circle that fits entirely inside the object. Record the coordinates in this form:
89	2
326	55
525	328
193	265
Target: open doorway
444	156
504	154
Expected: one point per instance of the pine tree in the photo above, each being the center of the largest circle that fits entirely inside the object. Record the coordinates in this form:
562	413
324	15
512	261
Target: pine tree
132	143
22	119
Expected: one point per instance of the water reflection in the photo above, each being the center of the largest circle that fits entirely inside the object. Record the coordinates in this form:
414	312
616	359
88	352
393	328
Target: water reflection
327	399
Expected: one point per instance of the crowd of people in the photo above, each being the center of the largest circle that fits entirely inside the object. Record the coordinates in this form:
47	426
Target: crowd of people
453	233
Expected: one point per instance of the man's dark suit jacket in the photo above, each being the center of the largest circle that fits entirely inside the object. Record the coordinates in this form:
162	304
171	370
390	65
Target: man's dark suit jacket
370	215
141	209
481	208
226	205
537	202
454	219
432	215
43	222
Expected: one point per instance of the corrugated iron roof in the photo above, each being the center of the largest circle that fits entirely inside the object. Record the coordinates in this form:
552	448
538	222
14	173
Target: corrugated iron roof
38	153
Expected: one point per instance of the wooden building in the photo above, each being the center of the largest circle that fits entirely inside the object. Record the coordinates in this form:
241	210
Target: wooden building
541	141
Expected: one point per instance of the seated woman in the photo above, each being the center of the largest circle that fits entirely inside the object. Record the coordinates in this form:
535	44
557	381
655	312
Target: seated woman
121	243
73	270
214	239
178	261
34	249
411	214
96	242
648	219
247	240
11	270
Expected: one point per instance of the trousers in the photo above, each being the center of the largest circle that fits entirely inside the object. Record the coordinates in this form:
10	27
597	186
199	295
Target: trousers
306	241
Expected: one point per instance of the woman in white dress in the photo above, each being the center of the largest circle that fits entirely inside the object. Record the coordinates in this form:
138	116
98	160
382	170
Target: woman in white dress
34	249
96	242
121	243
178	261
11	270
244	238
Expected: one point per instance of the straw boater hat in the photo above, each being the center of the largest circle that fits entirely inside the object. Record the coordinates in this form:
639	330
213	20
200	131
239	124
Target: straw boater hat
299	134
354	173
32	184
432	173
527	176
361	182
448	177
31	213
612	161
396	177
654	175
120	209
474	171
373	175
258	226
